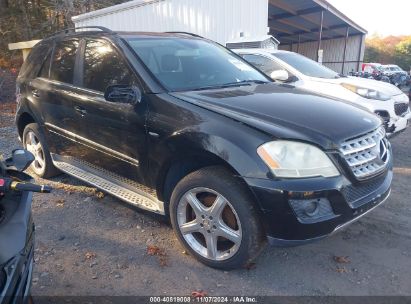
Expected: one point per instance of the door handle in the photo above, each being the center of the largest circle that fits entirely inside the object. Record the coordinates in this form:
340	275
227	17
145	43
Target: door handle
80	110
35	93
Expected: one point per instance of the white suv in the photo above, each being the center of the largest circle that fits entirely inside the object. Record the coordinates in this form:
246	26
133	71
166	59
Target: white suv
381	98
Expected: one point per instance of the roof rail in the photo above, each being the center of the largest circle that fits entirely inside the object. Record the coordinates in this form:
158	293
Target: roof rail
74	29
186	33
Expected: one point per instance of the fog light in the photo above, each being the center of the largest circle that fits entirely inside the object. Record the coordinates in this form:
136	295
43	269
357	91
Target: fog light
311	207
310	211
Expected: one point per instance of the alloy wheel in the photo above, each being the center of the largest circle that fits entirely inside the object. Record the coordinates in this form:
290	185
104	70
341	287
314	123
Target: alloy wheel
34	146
209	224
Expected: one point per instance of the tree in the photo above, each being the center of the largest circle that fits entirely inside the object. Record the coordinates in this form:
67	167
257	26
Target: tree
4	4
372	54
403	54
388	50
35	19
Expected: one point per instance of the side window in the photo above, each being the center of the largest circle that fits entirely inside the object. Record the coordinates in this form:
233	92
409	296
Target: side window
32	64
103	66
45	68
262	63
64	59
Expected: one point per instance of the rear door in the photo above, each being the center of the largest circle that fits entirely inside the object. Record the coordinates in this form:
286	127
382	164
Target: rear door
53	88
112	134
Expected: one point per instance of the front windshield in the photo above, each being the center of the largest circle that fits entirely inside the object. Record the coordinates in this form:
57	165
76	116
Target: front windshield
193	64
306	66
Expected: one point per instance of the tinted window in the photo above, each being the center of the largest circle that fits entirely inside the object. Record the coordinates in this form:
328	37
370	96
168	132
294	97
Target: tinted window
103	66
306	66
263	63
192	64
34	61
62	67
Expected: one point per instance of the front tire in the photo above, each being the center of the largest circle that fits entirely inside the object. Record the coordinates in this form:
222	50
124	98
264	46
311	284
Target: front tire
34	142
215	218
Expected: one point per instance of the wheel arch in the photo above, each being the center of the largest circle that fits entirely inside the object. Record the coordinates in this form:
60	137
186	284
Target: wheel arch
215	151
23	120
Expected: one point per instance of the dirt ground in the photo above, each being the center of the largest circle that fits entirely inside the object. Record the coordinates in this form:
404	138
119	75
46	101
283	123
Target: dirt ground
88	245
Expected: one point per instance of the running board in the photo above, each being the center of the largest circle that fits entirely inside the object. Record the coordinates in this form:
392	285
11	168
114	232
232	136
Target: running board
118	186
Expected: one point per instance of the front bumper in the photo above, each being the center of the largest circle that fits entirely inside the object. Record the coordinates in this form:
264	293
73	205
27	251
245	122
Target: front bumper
395	113
348	201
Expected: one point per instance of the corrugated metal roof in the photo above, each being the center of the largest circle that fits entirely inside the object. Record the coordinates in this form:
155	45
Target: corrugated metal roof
299	20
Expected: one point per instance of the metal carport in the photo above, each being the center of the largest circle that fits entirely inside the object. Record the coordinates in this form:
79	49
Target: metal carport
312	27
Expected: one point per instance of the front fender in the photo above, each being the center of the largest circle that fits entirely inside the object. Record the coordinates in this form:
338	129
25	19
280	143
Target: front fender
237	152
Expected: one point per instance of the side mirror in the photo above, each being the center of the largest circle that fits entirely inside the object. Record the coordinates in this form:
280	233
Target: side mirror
123	94
280	75
20	159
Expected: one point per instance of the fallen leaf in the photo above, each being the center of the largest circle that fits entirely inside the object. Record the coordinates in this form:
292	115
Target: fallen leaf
153	250
198	294
60	203
100	194
341	259
90	255
341	270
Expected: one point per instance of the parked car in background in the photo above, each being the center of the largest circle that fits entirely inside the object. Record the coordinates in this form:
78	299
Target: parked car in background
398	76
393	69
372	68
381	98
180	126
372	71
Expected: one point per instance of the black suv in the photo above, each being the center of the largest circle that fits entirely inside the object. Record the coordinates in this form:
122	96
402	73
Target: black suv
180	126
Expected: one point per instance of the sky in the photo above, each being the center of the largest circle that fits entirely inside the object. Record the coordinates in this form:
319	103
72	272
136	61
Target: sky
383	17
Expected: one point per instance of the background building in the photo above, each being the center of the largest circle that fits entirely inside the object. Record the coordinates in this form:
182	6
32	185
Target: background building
313	28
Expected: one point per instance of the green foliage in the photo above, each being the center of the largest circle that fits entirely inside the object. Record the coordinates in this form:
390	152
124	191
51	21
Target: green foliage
389	50
403	54
372	54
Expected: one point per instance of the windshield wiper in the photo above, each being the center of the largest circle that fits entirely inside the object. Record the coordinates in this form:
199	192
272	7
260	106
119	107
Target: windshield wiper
244	82
230	84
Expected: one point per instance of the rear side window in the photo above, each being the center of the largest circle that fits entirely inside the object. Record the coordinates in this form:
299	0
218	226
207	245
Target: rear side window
262	63
104	66
64	59
34	61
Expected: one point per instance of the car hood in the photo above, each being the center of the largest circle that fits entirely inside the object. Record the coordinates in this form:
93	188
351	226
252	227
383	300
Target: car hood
286	112
372	84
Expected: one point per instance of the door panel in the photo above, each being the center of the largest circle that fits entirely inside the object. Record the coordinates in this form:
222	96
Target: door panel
52	90
112	134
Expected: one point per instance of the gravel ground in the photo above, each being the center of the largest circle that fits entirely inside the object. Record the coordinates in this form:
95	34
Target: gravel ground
87	244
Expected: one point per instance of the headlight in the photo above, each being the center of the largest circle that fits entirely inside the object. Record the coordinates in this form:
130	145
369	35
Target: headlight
296	160
367	93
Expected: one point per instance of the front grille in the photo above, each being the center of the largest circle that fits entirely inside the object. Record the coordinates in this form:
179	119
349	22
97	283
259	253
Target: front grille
356	195
368	154
400	108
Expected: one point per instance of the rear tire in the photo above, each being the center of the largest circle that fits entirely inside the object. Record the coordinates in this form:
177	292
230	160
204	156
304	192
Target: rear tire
33	141
215	218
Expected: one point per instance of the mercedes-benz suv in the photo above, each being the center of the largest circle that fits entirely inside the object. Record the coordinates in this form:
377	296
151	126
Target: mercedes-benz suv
180	126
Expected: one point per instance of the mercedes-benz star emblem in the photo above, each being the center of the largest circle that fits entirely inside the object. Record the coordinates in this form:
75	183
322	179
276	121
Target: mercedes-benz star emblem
383	150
